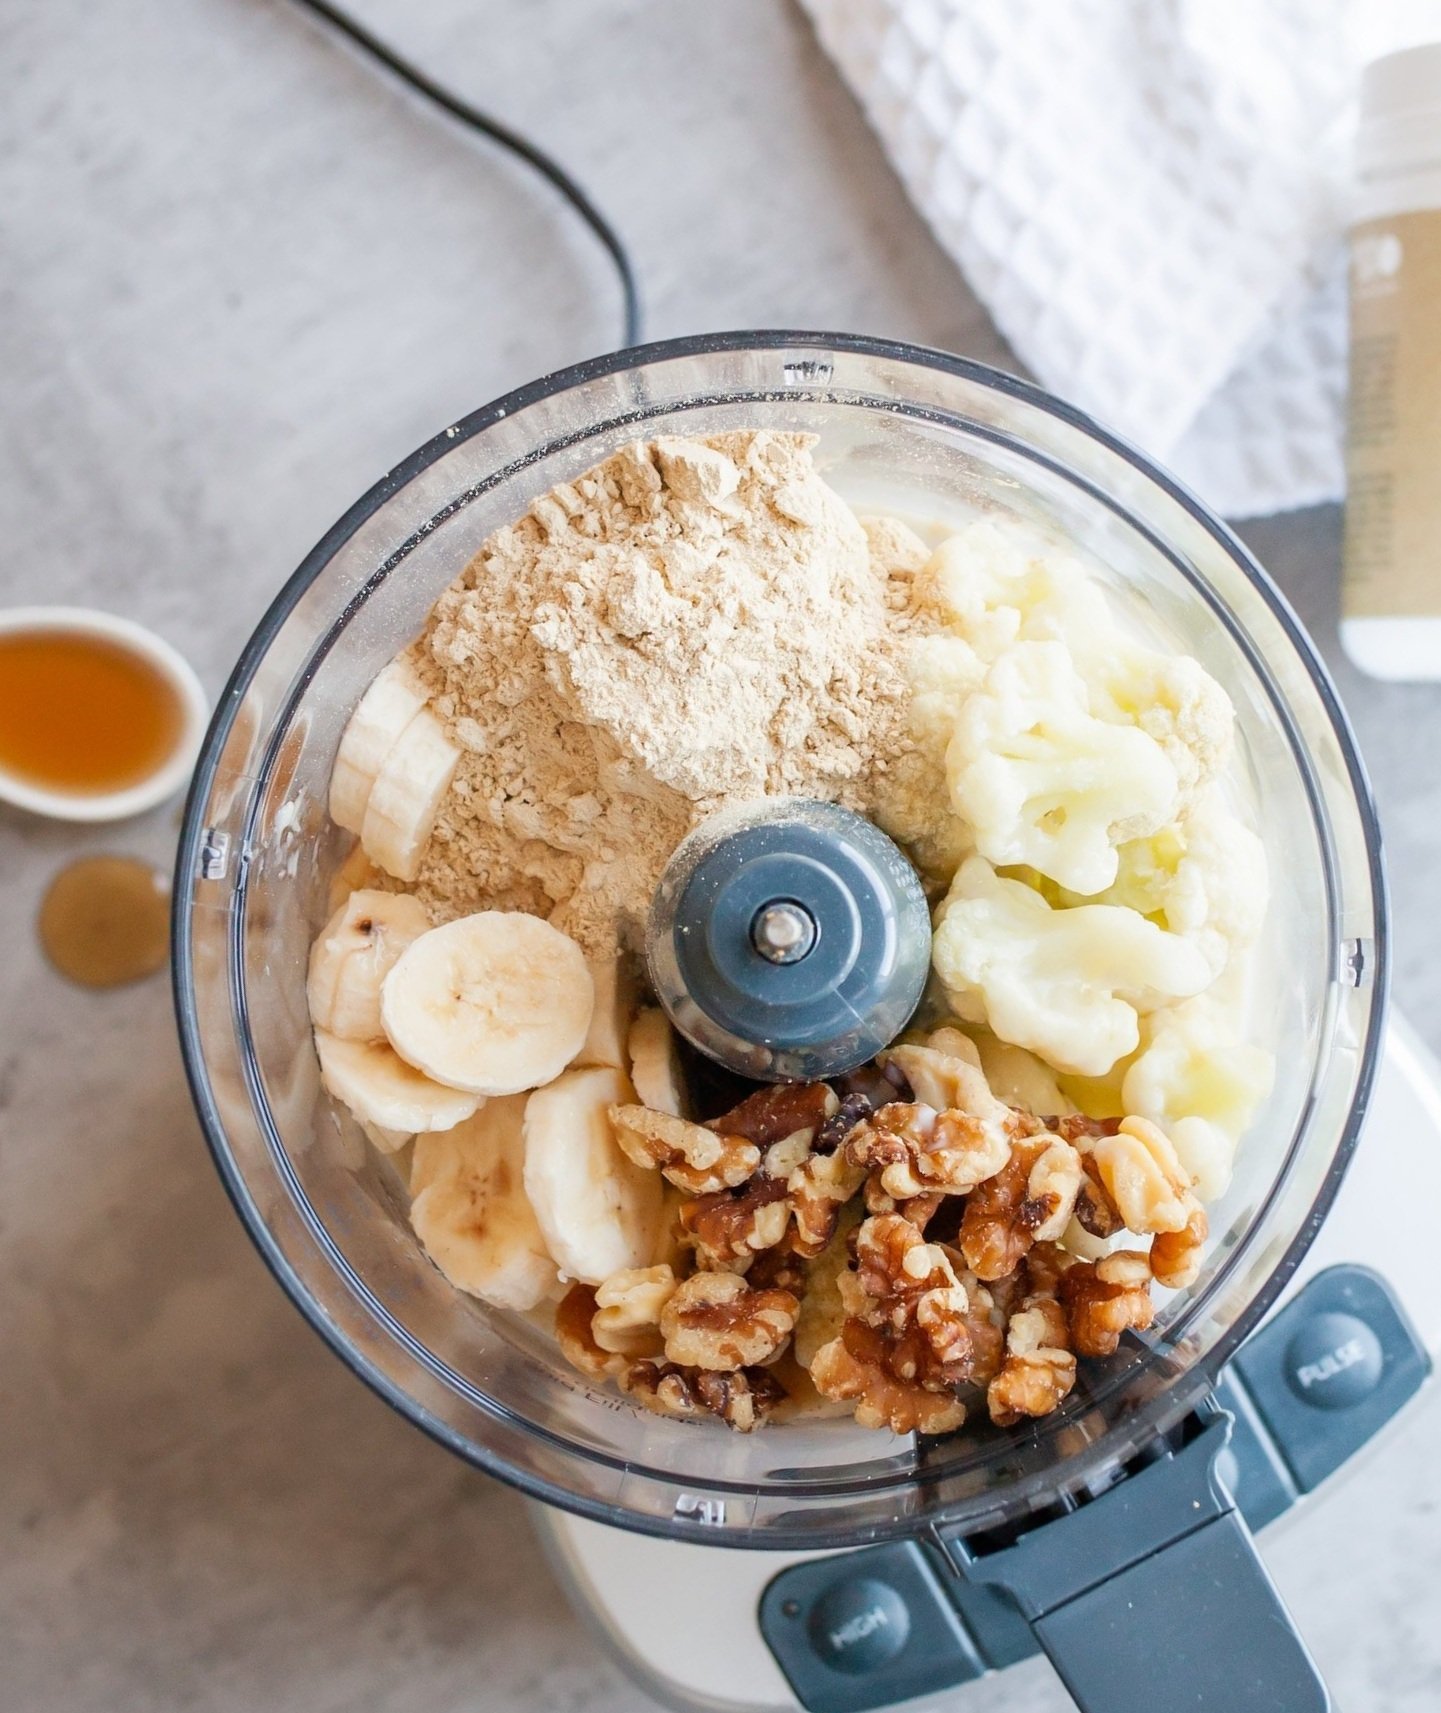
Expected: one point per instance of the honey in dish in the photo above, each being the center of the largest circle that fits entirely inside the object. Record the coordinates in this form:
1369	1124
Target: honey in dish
106	921
82	714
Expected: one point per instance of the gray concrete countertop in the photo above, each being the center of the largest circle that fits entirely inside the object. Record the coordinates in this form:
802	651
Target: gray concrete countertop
241	277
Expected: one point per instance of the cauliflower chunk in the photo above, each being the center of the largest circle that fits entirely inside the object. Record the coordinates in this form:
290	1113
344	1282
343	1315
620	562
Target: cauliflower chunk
1170	697
998	585
1066	984
1043	782
1204	876
1197	1079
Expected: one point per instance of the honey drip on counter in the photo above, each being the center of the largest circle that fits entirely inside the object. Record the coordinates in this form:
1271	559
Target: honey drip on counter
106	921
81	714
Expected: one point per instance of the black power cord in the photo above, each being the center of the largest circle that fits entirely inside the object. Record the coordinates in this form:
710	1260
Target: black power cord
472	117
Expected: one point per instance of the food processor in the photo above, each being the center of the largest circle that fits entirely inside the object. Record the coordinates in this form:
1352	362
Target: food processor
1113	1534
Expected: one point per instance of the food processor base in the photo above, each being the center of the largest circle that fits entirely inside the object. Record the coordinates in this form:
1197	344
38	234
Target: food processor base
1345	1348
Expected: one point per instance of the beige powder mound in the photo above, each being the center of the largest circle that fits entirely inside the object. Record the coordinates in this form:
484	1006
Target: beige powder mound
693	623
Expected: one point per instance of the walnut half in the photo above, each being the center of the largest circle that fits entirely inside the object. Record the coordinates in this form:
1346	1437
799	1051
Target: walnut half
715	1321
628	1309
1030	1199
1039	1369
694	1158
772	1113
854	1366
1105	1298
742	1399
915	1149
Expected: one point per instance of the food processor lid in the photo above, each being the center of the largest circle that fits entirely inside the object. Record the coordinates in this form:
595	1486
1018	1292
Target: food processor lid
789	940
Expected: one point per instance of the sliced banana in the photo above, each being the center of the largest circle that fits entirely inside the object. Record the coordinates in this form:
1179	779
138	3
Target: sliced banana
381	1089
655	1063
407	794
470	1211
352	955
599	1211
385	710
494	1003
615	996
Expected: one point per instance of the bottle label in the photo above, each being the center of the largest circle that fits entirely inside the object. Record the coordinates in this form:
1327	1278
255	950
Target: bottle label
1393	452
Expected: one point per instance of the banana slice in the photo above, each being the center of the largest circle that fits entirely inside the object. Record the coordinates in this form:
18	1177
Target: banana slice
598	1210
469	1208
494	1003
354	952
407	794
655	1064
381	1089
393	700
615	995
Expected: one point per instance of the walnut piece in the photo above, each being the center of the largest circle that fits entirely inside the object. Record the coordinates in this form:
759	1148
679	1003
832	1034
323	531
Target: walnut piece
854	1366
694	1158
715	1321
732	1227
986	1319
919	1210
1095	1211
822	1310
1039	1369
779	1269
907	1283
852	1109
574	1315
1147	1184
1176	1255
946	1074
778	1111
1105	1298
819	1188
908	1293
628	1309
742	1399
1032	1197
915	1149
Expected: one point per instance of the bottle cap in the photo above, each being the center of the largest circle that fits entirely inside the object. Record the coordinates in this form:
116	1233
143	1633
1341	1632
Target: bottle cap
1400	120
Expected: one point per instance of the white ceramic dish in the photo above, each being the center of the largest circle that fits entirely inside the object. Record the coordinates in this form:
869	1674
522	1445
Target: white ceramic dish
171	775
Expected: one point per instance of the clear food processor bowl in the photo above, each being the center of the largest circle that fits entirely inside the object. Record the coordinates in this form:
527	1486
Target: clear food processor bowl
900	430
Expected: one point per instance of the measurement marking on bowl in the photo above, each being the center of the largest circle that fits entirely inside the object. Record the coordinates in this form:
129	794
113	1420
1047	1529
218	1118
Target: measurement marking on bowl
808	371
710	1513
214	856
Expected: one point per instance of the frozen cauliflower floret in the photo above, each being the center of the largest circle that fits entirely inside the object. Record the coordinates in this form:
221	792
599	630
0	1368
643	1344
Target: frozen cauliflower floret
995	585
1066	984
1170	697
1197	1079
1204	876
1041	781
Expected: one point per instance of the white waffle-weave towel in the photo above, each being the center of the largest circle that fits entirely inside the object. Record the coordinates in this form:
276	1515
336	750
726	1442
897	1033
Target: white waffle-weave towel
1149	197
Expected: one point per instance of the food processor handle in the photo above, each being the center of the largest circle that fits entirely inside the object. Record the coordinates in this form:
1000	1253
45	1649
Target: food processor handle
1157	1577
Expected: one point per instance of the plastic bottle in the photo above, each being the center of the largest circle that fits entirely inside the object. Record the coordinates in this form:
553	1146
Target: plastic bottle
1391	583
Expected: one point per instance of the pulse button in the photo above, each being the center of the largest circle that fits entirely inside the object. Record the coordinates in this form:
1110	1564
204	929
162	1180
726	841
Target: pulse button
1333	1361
